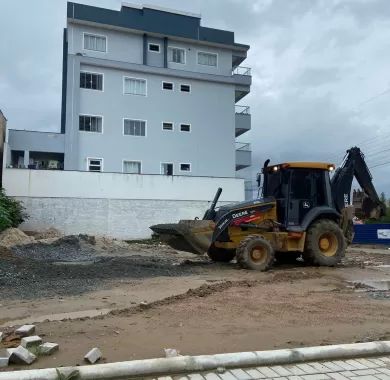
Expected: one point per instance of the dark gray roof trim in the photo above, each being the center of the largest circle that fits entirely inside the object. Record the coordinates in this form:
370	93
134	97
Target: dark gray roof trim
152	21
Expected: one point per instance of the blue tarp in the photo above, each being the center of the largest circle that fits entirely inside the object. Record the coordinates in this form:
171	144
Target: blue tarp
372	234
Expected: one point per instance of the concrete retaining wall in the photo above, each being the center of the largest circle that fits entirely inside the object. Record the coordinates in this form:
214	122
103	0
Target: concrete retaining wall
118	218
111	204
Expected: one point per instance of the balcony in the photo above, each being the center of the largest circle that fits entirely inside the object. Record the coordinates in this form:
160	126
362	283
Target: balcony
243	155
243	120
238	57
243	79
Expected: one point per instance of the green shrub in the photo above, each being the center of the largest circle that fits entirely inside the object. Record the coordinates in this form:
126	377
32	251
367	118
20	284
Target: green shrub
11	212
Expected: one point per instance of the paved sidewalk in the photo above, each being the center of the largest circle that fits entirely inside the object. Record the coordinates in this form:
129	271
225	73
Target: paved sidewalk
372	368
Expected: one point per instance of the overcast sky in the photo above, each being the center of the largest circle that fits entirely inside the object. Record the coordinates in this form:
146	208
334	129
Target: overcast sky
321	72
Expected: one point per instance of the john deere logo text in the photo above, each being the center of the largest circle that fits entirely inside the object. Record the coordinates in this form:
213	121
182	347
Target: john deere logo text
242	213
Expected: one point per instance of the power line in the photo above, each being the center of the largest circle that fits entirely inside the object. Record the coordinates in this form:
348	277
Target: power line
382	164
374	97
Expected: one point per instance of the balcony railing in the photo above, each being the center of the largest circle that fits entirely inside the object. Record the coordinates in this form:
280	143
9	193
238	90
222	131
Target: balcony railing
240	70
242	110
245	147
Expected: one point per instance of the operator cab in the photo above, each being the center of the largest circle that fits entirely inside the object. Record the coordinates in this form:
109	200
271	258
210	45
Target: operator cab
298	188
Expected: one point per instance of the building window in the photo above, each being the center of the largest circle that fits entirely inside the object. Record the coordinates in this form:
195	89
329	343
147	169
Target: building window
95	164
95	43
185	167
155	48
185	127
185	88
91	81
167	126
166	168
176	55
207	59
88	123
167	86
132	167
134	127
134	86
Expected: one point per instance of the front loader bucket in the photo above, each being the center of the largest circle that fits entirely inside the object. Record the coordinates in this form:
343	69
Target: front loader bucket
188	235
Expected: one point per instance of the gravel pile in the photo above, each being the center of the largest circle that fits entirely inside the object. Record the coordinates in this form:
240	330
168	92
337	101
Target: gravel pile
73	265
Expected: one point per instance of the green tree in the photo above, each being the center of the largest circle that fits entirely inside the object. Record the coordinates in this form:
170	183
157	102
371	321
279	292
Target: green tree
12	212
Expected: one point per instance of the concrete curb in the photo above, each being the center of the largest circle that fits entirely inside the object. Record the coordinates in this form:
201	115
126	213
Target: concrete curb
188	364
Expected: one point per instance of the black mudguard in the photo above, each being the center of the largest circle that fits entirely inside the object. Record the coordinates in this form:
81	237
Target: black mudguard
313	214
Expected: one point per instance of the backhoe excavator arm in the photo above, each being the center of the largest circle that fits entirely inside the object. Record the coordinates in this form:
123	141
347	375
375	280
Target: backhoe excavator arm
354	165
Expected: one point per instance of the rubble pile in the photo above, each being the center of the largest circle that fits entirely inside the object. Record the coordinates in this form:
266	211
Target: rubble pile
26	346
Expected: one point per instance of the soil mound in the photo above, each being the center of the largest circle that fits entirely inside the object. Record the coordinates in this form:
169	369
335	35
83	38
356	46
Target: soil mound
13	236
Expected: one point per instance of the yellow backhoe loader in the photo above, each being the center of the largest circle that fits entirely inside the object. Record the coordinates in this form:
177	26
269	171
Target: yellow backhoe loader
301	211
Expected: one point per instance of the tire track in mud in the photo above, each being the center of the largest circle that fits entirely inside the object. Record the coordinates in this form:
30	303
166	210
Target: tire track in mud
206	290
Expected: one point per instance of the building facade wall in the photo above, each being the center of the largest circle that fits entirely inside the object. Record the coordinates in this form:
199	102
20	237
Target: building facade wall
128	47
36	141
208	108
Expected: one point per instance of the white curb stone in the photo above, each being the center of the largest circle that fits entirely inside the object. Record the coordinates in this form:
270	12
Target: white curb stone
4	362
48	348
206	363
20	355
93	356
31	341
25	330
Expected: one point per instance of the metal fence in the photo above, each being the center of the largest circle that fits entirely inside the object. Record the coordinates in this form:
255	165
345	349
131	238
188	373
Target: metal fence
246	147
242	110
240	70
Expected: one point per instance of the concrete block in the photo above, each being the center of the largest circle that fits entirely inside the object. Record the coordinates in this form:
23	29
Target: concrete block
25	330
31	341
171	352
93	356
48	348
4	362
20	355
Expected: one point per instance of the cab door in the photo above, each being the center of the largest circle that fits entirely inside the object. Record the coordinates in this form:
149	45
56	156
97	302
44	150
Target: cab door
301	196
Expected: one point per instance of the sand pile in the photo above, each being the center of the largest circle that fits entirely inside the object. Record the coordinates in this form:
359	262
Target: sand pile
13	236
50	233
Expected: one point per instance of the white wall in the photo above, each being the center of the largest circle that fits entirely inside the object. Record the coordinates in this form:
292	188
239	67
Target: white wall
110	204
74	184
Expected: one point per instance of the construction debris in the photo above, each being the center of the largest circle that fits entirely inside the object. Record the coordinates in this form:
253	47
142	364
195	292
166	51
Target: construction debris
171	352
48	348
31	341
20	355
25	330
1	336
50	233
4	362
13	236
93	356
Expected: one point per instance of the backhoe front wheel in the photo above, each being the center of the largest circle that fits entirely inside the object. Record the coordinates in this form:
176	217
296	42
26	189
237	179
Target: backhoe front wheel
220	254
325	243
256	253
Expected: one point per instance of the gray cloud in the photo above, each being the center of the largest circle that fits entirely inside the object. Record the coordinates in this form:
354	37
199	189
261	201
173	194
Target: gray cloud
315	64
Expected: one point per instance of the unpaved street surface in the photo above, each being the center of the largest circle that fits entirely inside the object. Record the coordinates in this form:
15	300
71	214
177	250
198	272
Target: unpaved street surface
134	300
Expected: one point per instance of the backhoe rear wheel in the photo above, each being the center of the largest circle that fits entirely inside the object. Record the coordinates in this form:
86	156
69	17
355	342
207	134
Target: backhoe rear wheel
256	253
220	254
325	243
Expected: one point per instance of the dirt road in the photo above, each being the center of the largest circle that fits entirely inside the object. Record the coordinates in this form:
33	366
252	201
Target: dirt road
192	305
